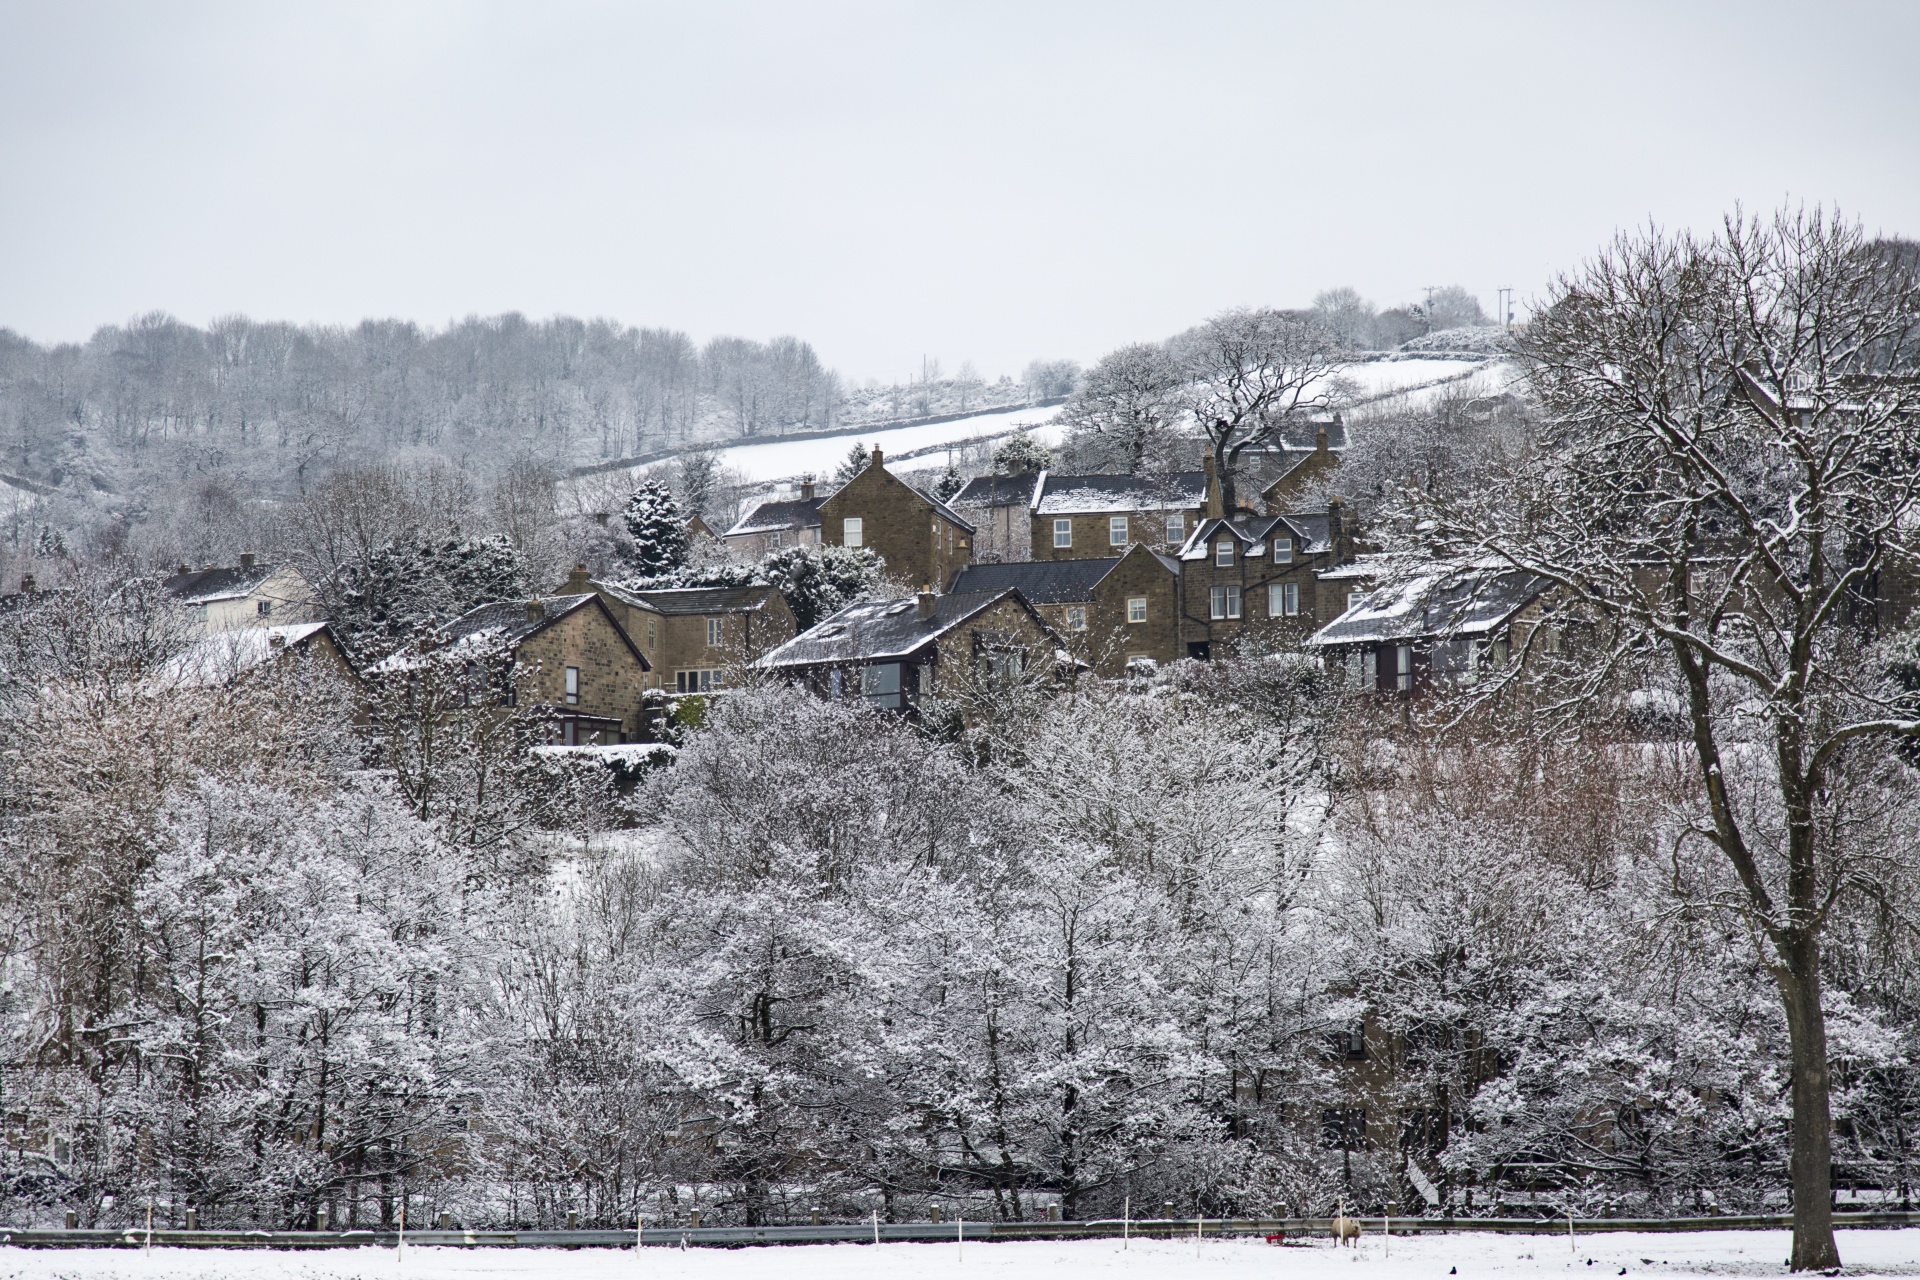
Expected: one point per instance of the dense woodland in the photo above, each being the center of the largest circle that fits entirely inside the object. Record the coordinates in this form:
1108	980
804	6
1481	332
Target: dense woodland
1226	937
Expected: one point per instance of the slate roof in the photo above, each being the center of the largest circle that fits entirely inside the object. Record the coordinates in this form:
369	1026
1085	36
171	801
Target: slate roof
781	515
1309	533
205	585
1060	495
1445	602
488	631
879	630
675	601
1040	581
998	491
942	507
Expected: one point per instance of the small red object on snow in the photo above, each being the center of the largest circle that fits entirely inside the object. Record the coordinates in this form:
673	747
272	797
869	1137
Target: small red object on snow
1278	1237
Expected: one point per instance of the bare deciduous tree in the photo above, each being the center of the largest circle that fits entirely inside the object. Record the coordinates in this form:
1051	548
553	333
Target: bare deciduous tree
1728	470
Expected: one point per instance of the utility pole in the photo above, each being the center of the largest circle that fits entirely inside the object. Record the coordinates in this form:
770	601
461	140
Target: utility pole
1429	308
1506	307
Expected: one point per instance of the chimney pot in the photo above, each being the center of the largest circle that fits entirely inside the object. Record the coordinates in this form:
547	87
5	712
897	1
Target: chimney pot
536	611
923	603
246	559
806	487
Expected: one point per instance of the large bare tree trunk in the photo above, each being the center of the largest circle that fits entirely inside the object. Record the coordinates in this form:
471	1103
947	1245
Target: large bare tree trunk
1813	1244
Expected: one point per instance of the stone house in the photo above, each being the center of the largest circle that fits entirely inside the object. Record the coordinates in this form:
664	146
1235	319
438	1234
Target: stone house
562	662
250	594
222	657
1000	509
691	636
1073	517
1296	471
1438	625
1261	576
923	541
1107	612
900	654
779	522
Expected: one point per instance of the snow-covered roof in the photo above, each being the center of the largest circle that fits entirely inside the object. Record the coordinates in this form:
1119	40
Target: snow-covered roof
205	586
1061	495
692	600
217	658
1444	602
779	516
1310	534
880	630
999	491
489	631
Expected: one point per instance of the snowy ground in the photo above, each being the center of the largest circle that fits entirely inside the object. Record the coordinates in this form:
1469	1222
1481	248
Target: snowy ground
778	459
1434	1257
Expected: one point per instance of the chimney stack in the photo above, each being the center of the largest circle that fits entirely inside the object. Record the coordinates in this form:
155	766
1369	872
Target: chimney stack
600	518
1339	545
536	611
578	583
26	584
277	641
246	559
1215	508
806	487
876	455
923	603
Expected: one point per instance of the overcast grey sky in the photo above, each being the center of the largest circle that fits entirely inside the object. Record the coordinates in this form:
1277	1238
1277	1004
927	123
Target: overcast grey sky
980	181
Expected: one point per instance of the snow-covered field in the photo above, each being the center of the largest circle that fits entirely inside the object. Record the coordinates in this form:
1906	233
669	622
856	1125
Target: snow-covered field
1466	1256
785	459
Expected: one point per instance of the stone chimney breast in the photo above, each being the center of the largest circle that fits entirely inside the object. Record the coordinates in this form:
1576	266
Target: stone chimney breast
536	611
246	559
806	487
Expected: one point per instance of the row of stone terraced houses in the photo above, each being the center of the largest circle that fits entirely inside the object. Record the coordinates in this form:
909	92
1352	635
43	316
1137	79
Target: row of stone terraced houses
1038	574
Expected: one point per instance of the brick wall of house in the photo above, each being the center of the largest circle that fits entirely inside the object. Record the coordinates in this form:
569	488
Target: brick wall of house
955	666
611	678
1320	602
1092	533
922	547
1109	641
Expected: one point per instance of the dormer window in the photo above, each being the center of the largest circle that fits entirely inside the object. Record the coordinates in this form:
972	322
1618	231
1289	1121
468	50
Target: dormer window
1117	531
1283	550
1176	527
1063	533
1223	553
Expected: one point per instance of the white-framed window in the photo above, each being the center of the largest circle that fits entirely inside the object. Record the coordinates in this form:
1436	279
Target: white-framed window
1283	599
699	680
1223	552
1226	600
651	641
1176	527
1063	533
1076	617
716	630
1136	608
573	686
1355	597
1283	550
853	531
264	608
1403	667
1117	531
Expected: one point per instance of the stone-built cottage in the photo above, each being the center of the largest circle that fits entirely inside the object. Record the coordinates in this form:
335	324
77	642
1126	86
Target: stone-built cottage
250	594
691	636
227	656
1260	576
1000	509
780	522
1438	625
1107	612
1074	517
899	654
924	541
562	662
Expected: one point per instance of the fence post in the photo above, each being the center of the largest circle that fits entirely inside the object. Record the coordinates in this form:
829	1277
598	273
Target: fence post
1126	1222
